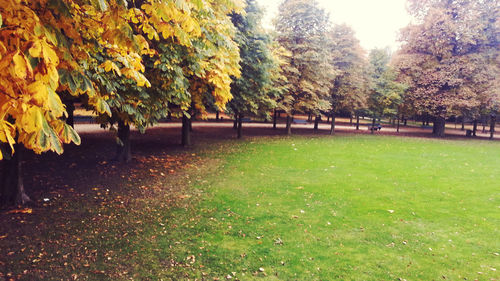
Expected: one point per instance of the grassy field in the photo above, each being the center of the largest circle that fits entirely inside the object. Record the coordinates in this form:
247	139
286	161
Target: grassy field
300	208
347	208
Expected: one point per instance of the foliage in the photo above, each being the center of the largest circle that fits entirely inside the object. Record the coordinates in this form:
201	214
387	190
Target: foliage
349	87
385	92
50	47
450	58
251	92
95	50
194	56
301	28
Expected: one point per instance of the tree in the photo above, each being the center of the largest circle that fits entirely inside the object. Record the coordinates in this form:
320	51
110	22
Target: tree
95	50
349	86
43	54
301	29
385	92
194	56
251	95
450	57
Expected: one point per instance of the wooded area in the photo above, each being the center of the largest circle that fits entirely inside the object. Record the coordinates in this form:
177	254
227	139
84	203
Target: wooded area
136	62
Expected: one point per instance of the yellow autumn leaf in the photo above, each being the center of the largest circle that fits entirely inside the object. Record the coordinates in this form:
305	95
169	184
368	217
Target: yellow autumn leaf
32	120
36	49
48	54
38	91
20	66
7	131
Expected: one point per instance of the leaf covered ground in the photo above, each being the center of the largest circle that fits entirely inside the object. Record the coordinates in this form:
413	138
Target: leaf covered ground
300	208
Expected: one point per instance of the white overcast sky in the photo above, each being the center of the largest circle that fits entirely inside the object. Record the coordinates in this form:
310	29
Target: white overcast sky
376	22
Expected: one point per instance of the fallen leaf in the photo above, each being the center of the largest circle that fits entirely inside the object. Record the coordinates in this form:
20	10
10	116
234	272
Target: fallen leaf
21	211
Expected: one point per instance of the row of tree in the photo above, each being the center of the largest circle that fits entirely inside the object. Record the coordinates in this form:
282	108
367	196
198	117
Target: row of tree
136	62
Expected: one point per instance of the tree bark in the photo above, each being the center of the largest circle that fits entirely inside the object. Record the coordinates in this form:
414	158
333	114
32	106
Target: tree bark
123	152
332	127
12	191
373	126
357	122
186	133
235	122
288	124
438	128
316	123
484	123
240	125
217	116
309	117
275	119
474	128
350	122
463	123
397	126
492	126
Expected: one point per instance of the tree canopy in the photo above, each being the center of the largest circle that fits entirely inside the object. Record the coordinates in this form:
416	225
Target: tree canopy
301	29
450	57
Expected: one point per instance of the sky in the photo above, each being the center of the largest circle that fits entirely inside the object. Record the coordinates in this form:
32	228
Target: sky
376	22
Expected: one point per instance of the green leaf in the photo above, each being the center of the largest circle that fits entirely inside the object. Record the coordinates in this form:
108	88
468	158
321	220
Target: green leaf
103	107
55	143
71	134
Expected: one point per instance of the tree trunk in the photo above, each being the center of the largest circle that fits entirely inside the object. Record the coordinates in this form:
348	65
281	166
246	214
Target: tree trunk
492	126
463	123
397	126
309	117
332	128
235	122
373	126
123	152
169	115
240	125
12	190
316	123
275	119
438	128
186	133
217	116
405	120
350	122
357	122
474	128
328	119
484	123
70	108
288	124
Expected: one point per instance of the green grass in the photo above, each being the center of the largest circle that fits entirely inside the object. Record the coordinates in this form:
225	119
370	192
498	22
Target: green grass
300	208
346	208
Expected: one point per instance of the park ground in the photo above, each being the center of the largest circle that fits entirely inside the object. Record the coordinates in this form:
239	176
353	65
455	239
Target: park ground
307	207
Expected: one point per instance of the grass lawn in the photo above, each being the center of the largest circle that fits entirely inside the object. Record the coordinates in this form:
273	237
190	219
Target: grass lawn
346	208
300	208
